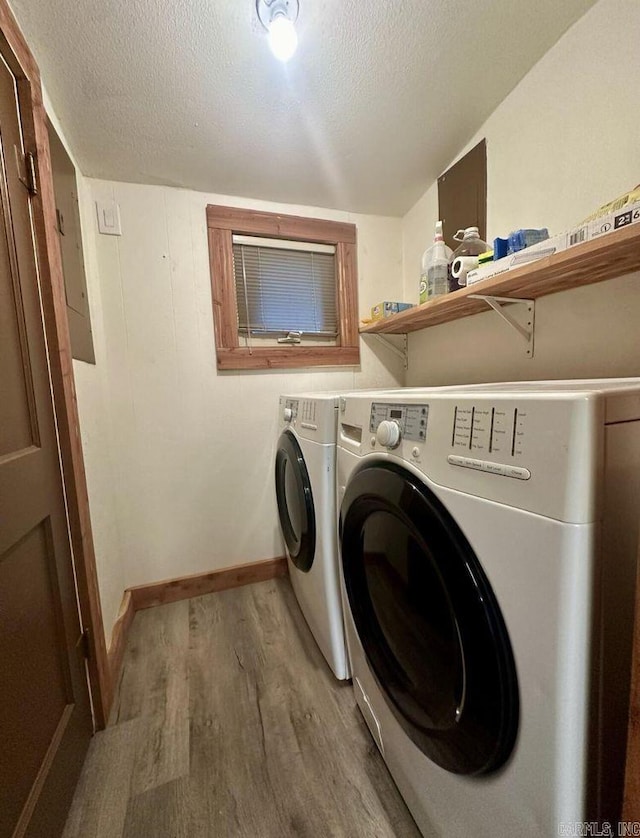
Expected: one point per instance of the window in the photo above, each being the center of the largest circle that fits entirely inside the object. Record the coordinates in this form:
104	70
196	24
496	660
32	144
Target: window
284	290
285	286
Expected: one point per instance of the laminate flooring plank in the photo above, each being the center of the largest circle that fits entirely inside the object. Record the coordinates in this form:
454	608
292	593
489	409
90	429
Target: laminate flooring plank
129	698
286	685
316	771
157	637
165	812
228	765
155	689
332	741
343	731
99	805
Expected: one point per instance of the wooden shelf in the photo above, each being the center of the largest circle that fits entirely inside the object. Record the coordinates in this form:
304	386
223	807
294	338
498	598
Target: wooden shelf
612	255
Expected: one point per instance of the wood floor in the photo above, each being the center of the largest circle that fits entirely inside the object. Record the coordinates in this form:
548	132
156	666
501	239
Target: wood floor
228	722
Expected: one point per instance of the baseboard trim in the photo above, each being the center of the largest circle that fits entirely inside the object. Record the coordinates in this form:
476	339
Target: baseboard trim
197	584
183	587
119	635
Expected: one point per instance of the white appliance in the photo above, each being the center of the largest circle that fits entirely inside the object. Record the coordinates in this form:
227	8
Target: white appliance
306	495
489	539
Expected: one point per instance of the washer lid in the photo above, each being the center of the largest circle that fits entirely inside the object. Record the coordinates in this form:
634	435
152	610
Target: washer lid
428	621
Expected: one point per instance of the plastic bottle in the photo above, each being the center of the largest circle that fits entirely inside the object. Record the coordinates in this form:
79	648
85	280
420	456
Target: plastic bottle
472	245
435	267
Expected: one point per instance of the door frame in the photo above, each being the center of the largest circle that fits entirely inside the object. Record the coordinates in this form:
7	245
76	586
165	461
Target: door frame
18	56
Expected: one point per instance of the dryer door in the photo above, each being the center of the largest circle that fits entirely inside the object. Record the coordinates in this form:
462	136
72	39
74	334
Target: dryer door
428	621
295	502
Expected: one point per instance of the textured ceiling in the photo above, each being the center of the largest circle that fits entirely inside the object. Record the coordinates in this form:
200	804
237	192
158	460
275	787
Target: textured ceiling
374	104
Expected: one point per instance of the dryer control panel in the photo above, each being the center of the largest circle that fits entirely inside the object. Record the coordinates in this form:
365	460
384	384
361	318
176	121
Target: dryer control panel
289	410
412	419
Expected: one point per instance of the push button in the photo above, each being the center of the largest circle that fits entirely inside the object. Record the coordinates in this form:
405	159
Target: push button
495	468
517	472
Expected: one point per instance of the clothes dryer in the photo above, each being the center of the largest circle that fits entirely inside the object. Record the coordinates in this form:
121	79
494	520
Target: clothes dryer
306	496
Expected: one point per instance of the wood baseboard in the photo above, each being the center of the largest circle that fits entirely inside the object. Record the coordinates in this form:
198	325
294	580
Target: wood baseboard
183	587
197	584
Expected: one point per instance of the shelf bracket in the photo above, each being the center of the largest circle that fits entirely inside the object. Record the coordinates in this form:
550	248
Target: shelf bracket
400	352
499	304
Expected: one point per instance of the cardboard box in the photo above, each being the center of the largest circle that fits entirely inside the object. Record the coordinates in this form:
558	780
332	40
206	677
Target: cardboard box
556	244
386	309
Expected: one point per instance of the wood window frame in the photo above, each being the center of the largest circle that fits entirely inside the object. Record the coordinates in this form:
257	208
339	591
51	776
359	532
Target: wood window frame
222	224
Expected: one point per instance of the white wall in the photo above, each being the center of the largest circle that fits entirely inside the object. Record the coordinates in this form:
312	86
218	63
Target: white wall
96	422
192	448
560	145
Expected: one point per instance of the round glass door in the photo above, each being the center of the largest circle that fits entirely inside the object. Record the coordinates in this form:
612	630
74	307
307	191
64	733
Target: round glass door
295	502
428	621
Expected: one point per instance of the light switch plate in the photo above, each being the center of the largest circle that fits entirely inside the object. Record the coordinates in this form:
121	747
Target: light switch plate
109	218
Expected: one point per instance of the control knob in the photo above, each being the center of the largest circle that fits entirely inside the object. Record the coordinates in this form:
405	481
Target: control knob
388	433
287	414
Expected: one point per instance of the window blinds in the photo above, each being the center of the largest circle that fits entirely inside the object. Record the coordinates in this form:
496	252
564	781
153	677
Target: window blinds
285	286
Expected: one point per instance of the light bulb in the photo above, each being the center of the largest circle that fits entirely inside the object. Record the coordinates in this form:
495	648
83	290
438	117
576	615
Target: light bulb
283	38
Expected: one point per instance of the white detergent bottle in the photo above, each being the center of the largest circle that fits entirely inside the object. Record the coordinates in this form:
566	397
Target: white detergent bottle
435	267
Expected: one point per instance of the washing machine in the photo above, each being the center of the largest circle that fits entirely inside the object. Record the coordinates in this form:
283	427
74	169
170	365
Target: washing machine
488	544
305	480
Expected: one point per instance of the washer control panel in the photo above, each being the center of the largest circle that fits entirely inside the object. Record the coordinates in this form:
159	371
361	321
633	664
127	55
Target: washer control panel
489	438
517	446
485	430
412	419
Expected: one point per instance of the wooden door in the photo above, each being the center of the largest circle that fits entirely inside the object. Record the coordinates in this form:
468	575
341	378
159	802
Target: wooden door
45	713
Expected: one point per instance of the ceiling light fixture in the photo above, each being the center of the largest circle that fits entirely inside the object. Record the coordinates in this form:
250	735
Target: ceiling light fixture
278	18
